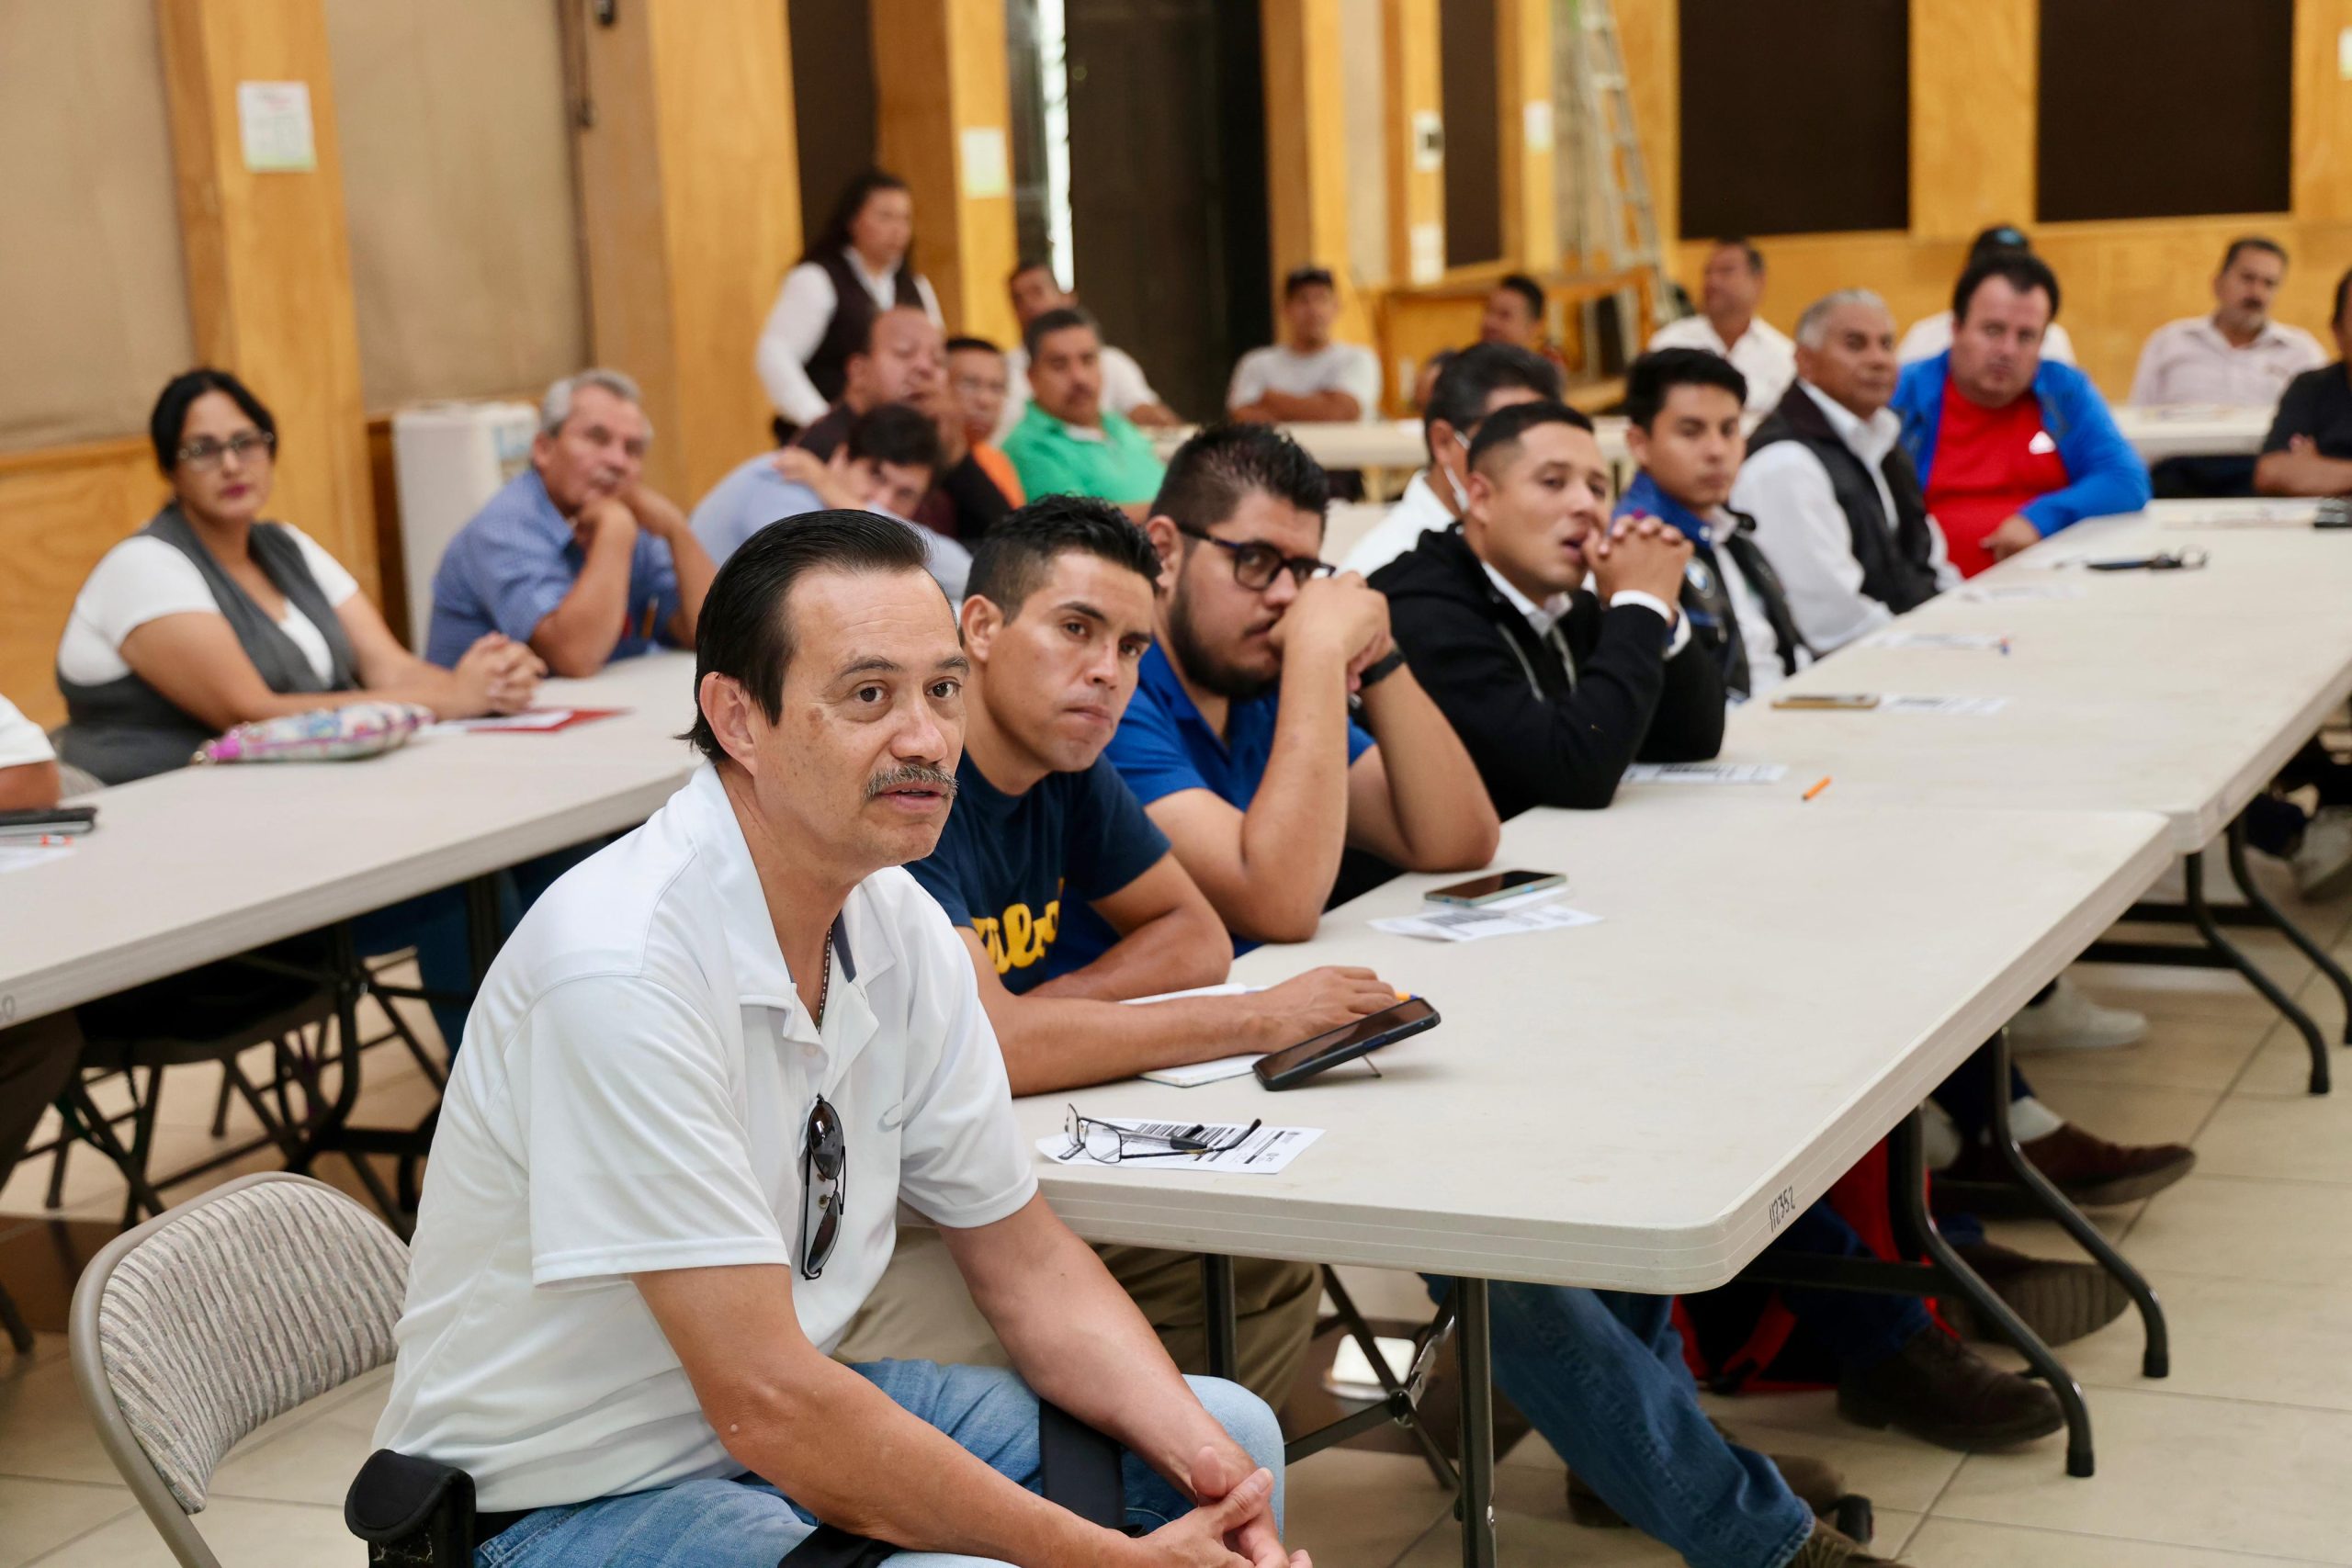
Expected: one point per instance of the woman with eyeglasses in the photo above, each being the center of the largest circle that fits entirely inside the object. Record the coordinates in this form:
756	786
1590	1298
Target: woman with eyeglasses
209	617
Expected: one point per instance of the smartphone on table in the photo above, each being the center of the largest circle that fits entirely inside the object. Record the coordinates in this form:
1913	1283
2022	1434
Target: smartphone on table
1835	702
1495	884
1290	1067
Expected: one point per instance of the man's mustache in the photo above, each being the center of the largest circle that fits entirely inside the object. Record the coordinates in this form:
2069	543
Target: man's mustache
912	774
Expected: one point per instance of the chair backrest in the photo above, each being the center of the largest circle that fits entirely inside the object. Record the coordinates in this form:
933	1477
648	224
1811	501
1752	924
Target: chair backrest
196	1327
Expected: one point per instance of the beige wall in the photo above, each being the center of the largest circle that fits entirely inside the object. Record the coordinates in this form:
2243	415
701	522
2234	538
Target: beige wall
94	313
465	230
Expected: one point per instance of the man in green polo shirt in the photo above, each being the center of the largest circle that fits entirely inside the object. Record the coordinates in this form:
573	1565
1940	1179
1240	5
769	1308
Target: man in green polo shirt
1069	444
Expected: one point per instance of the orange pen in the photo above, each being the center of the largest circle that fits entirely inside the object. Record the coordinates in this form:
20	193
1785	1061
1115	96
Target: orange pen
1816	789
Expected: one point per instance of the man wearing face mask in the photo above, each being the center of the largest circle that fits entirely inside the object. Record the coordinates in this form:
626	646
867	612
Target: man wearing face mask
886	466
1553	688
2010	446
1474	384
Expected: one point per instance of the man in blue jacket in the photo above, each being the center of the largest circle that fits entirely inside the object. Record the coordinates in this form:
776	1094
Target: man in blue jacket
2012	447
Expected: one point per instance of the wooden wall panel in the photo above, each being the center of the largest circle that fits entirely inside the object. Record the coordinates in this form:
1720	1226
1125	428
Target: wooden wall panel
1307	155
1410	90
1524	129
963	212
1973	74
269	256
2322	130
59	510
690	209
1649	32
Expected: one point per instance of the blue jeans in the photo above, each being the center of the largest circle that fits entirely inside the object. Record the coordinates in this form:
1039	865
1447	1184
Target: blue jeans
1601	1375
747	1523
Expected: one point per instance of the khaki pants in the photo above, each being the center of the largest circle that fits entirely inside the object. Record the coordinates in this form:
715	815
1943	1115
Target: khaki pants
921	1311
1276	1303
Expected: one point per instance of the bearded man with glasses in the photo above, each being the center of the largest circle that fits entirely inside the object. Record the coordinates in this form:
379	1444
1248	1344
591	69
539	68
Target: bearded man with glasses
698	1083
1275	725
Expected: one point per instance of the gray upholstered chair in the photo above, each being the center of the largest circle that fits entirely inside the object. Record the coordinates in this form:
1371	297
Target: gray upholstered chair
200	1325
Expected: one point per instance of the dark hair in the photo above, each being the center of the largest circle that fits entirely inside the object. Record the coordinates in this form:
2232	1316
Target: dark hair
833	237
895	433
1649	378
1999	237
1527	288
1510	425
1477	373
2022	270
1309	276
1222	465
1052	322
1028	265
1739	242
1019	549
745	629
2342	287
964	345
2251	242
170	415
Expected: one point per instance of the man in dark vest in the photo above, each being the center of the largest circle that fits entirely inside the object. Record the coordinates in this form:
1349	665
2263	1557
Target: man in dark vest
1838	508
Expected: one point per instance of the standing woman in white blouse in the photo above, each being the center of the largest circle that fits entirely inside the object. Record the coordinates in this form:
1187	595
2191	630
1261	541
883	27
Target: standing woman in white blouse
862	263
208	617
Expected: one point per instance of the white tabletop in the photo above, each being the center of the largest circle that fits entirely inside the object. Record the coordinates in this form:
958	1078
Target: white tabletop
198	864
1629	1105
2178	691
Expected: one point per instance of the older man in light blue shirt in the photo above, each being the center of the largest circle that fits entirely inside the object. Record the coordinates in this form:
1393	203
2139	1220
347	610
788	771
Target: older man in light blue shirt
574	555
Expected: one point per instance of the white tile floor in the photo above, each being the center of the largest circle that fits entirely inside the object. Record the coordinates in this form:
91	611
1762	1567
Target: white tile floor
2244	1455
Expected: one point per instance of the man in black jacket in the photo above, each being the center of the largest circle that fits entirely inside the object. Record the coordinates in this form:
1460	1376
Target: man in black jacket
1553	688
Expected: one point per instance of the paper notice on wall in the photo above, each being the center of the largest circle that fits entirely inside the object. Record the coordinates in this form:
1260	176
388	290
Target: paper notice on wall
1536	121
273	125
988	171
1427	260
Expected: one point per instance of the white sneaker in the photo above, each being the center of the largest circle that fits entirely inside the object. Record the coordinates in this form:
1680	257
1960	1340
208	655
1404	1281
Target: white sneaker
2323	861
2069	1021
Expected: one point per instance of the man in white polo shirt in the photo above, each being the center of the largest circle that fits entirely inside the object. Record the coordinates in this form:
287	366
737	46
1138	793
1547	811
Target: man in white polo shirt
2239	356
697	1083
1727	325
1307	377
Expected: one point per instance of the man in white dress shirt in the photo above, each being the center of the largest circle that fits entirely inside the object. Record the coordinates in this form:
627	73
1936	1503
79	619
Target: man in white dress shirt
696	1085
1475	383
1307	378
1838	510
2238	356
1727	324
1125	388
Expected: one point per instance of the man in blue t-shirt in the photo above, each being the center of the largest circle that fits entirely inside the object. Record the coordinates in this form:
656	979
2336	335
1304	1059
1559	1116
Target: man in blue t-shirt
574	555
1056	623
1240	742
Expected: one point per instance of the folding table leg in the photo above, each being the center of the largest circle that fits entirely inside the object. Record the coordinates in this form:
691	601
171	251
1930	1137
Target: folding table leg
2276	918
1474	1348
2155	1355
1368	1342
2201	914
1223	1322
1911	1194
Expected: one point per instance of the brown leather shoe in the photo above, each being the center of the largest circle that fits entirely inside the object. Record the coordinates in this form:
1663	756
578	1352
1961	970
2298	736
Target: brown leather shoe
1818	1483
1939	1391
1826	1548
2091	1172
2060	1301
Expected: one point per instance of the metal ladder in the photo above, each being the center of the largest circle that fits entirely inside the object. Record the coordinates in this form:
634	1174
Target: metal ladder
1606	214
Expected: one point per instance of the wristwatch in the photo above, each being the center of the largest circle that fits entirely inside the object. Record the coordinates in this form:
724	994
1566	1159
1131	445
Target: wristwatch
1379	670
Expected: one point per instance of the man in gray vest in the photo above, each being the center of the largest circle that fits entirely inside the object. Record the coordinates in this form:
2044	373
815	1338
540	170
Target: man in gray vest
1839	511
